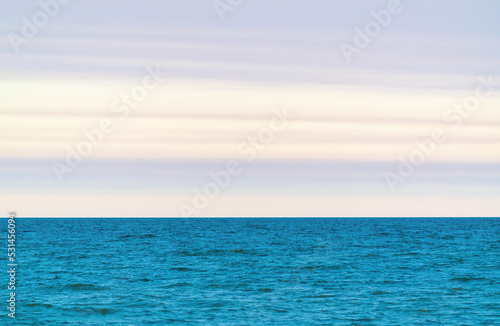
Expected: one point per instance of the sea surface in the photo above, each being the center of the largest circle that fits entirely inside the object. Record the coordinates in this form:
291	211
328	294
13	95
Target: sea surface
404	271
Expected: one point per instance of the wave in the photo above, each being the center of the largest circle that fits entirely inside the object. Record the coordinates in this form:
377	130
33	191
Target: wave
91	310
469	279
35	304
79	286
182	269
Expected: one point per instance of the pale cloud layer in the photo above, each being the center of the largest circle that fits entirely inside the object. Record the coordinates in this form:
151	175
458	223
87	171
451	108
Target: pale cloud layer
165	206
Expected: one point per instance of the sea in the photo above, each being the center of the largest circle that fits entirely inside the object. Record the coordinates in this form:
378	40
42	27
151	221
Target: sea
255	271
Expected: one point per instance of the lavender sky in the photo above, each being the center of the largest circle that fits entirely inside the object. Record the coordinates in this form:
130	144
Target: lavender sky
370	84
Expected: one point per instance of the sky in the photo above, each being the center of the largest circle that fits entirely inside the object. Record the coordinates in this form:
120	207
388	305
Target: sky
250	108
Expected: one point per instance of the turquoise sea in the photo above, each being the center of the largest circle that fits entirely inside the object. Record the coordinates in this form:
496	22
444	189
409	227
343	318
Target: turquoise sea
402	271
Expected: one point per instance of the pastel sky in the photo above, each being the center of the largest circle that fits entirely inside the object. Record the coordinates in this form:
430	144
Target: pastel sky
187	87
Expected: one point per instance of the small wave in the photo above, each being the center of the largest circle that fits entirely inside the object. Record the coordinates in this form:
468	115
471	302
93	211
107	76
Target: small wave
213	252
468	279
214	285
79	286
219	304
322	282
311	267
178	285
126	236
379	292
407	254
92	310
425	310
44	305
391	282
181	269
493	306
238	250
279	310
145	236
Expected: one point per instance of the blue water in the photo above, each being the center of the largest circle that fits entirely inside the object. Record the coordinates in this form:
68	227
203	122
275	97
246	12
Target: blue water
257	272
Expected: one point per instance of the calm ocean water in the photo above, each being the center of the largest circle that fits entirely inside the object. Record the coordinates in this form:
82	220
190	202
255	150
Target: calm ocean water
256	272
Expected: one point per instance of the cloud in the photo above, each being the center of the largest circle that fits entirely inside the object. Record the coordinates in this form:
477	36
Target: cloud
225	79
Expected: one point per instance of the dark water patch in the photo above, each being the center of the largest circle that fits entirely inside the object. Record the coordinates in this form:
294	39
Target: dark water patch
318	282
127	236
391	281
425	310
373	255
91	310
215	252
280	310
86	287
470	279
250	252
214	285
147	236
379	292
322	296
226	286
181	269
208	253
408	254
362	320
43	305
311	267
320	267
